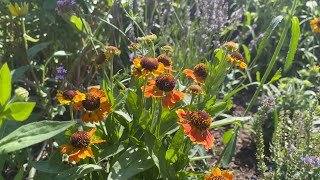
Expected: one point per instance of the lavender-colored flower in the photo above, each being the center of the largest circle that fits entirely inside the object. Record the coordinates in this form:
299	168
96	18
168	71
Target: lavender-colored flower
61	72
318	163
64	6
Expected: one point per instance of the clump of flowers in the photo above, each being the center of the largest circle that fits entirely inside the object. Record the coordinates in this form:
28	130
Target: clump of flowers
68	96
196	125
148	39
64	6
79	147
111	51
312	160
163	86
95	106
236	59
199	73
17	10
167	49
315	25
216	174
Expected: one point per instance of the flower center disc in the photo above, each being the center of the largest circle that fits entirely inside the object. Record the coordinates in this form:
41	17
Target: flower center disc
149	63
69	94
200	70
80	139
91	102
201	120
237	56
165	82
165	60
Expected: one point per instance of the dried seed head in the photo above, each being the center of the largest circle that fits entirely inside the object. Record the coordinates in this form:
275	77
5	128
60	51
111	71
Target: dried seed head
80	139
149	63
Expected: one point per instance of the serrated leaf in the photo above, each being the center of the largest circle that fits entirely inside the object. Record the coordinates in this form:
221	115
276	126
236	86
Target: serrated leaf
31	134
29	38
295	34
78	172
5	84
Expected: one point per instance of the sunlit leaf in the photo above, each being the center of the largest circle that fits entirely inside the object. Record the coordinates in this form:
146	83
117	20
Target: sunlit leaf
19	111
31	134
5	84
78	171
295	34
227	136
229	120
29	38
275	77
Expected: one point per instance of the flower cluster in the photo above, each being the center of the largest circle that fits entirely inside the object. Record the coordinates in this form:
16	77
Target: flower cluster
61	72
315	25
64	6
312	160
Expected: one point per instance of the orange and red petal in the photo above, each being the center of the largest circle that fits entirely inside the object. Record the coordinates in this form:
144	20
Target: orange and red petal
205	138
97	92
65	148
177	95
92	131
227	175
189	73
182	115
77	106
105	106
168	101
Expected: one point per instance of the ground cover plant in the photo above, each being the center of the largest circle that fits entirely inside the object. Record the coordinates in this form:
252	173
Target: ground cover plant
142	89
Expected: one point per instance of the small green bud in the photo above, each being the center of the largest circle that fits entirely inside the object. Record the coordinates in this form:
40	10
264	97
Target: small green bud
21	94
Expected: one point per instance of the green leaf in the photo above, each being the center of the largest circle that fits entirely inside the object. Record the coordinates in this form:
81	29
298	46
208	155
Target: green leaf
79	171
130	163
80	24
5	84
37	48
246	53
62	53
274	23
168	122
29	38
229	151
295	34
227	136
229	120
275	77
53	166
19	111
111	151
31	134
215	109
171	156
17	73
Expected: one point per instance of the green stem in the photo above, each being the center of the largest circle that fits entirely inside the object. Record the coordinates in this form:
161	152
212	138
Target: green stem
27	57
273	60
71	114
144	90
191	101
159	118
111	74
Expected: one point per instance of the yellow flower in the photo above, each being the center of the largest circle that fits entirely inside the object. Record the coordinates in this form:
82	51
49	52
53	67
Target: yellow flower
216	174
315	25
66	97
143	67
237	59
79	147
16	10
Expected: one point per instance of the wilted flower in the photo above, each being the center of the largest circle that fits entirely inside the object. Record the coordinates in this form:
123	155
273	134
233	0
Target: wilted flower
64	6
195	89
231	46
216	174
143	67
16	10
79	147
68	96
196	125
110	51
199	73
315	25
96	106
163	86
236	59
167	48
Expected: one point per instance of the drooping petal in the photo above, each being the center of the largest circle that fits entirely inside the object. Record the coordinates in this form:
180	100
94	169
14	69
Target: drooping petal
204	138
86	117
182	115
65	148
177	95
227	175
77	106
92	131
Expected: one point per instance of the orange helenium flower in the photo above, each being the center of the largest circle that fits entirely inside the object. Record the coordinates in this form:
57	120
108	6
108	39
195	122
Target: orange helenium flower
166	61
96	106
143	67
163	86
199	73
196	125
66	97
79	147
315	25
216	174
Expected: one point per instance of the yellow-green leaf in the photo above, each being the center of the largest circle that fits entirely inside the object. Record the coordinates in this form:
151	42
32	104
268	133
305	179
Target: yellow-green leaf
5	84
29	38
